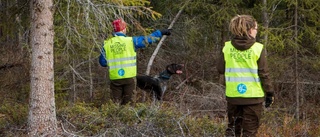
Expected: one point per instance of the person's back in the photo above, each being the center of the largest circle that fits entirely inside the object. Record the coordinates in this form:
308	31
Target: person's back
244	66
121	57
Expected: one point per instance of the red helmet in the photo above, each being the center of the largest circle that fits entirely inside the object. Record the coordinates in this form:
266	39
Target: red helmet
118	25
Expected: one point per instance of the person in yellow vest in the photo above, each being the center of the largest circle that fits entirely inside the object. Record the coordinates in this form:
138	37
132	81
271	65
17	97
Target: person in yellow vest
119	55
244	65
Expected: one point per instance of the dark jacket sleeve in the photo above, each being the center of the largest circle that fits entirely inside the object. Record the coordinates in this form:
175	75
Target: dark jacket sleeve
221	64
221	69
263	73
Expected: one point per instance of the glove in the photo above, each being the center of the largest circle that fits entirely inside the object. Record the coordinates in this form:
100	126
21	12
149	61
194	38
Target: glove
165	32
269	100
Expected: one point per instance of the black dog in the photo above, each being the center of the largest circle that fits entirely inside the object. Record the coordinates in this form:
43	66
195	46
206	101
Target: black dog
158	84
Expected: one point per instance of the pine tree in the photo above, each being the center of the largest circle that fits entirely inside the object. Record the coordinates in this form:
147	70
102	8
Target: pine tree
42	119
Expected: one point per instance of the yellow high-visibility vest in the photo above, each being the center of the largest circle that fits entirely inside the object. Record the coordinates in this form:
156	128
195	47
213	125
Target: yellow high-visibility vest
121	57
241	71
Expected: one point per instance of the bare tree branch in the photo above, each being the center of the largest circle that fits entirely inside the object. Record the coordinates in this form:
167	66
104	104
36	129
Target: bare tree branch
162	39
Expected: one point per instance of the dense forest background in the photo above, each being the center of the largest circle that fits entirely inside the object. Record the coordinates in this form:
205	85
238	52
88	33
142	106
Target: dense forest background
194	103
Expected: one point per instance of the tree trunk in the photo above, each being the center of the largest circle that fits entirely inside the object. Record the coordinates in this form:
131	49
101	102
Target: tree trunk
265	21
42	113
296	60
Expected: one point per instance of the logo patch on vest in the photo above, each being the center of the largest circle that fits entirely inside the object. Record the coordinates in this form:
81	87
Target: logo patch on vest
121	72
242	88
118	48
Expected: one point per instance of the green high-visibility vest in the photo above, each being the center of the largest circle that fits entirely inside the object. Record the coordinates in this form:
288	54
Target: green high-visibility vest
121	57
241	71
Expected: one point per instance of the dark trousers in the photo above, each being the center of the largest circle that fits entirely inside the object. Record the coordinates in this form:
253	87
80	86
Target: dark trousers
243	119
122	90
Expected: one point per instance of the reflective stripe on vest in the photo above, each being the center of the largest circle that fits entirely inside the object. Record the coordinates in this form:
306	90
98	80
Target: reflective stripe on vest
241	71
121	57
122	65
242	79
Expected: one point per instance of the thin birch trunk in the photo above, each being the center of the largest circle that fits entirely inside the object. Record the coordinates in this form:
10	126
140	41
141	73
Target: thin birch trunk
265	22
90	74
162	39
296	60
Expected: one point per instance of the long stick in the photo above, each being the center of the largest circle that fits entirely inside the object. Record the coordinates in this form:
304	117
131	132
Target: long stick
162	39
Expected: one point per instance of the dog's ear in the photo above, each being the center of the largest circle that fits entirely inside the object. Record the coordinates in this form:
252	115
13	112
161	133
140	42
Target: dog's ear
175	68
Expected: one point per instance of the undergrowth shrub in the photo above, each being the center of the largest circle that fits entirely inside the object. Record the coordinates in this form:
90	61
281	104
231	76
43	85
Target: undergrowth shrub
278	122
80	118
206	126
13	115
139	120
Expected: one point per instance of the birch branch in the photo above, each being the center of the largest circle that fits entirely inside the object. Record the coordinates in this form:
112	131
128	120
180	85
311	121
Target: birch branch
162	39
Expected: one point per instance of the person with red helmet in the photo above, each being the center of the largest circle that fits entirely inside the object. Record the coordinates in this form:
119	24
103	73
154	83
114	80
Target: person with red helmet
119	55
